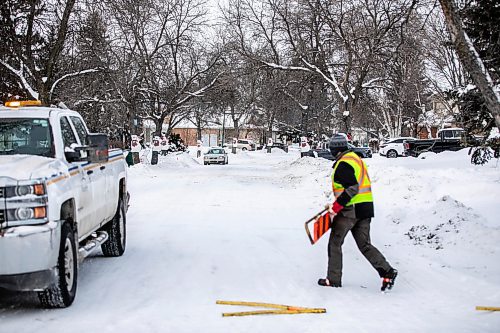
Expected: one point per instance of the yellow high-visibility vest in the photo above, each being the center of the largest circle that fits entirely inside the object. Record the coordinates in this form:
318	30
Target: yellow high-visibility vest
361	174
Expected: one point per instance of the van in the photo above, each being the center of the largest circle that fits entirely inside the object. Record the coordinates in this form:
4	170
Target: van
243	144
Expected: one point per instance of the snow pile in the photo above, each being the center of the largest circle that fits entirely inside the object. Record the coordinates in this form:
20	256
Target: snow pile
179	159
445	222
437	197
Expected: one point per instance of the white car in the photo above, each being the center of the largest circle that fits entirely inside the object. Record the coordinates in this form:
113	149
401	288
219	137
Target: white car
215	156
394	147
243	144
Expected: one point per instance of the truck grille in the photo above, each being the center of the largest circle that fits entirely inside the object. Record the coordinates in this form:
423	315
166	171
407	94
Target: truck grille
2	216
2	191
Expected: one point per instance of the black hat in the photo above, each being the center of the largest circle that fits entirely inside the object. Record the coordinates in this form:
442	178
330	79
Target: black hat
338	144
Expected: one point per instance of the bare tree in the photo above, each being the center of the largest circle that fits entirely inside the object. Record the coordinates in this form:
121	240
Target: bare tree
161	37
39	32
342	42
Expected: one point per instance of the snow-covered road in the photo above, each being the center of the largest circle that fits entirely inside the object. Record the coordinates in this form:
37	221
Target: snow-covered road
197	234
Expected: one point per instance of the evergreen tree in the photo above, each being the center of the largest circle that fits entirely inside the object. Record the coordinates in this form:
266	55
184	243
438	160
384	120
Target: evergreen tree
481	20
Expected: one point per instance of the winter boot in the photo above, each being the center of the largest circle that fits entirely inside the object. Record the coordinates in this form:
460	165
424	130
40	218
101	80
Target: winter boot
328	283
388	279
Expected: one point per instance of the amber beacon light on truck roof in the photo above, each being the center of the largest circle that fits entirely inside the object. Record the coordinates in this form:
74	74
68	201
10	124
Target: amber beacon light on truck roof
16	104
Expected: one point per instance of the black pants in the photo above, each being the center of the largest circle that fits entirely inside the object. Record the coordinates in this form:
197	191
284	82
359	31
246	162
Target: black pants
360	230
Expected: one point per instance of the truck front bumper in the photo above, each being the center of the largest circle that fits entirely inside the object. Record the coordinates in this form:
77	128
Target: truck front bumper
29	281
28	256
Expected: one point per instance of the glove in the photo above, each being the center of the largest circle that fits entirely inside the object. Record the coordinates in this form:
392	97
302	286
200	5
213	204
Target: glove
334	209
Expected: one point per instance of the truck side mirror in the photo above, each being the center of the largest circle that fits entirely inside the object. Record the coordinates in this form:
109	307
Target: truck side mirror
75	153
73	156
97	148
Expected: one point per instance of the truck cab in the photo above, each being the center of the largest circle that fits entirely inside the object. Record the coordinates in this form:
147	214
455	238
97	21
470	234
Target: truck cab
451	134
62	195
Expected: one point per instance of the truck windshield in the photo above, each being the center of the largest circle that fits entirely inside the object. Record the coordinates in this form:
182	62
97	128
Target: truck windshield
28	136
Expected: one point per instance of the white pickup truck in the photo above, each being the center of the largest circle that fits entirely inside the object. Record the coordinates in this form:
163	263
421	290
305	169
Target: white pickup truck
63	194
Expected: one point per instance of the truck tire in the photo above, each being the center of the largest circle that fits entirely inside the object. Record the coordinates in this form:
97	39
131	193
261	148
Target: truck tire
392	154
63	292
117	232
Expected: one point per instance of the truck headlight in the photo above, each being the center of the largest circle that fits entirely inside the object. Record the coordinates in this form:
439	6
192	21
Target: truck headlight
22	190
24	203
27	213
24	213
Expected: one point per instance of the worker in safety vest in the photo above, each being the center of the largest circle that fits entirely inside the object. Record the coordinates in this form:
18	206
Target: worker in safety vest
352	211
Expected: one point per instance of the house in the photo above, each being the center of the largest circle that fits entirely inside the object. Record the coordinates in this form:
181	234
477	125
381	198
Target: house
214	131
362	136
441	115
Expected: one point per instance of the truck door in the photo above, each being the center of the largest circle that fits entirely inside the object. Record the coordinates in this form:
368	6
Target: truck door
112	188
80	181
97	172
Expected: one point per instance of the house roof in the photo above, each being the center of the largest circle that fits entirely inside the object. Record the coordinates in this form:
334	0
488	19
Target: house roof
217	122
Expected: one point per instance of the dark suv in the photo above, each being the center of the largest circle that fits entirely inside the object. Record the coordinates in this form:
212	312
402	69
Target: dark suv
363	152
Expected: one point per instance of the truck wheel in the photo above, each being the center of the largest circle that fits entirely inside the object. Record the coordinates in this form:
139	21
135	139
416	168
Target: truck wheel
63	292
392	154
116	229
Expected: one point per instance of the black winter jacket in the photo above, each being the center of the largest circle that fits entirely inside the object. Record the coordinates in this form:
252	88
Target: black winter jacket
345	176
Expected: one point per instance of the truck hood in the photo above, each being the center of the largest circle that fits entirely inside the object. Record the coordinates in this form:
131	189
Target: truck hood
29	167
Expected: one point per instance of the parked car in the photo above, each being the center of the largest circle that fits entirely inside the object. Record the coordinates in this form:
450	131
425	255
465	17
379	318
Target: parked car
63	195
280	145
451	139
216	156
394	147
243	144
363	152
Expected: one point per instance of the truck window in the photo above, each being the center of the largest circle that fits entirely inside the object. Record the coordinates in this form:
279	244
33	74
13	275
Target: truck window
81	130
25	136
458	134
67	133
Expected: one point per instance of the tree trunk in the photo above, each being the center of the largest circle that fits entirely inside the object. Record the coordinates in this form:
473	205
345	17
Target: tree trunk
198	130
159	125
470	59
